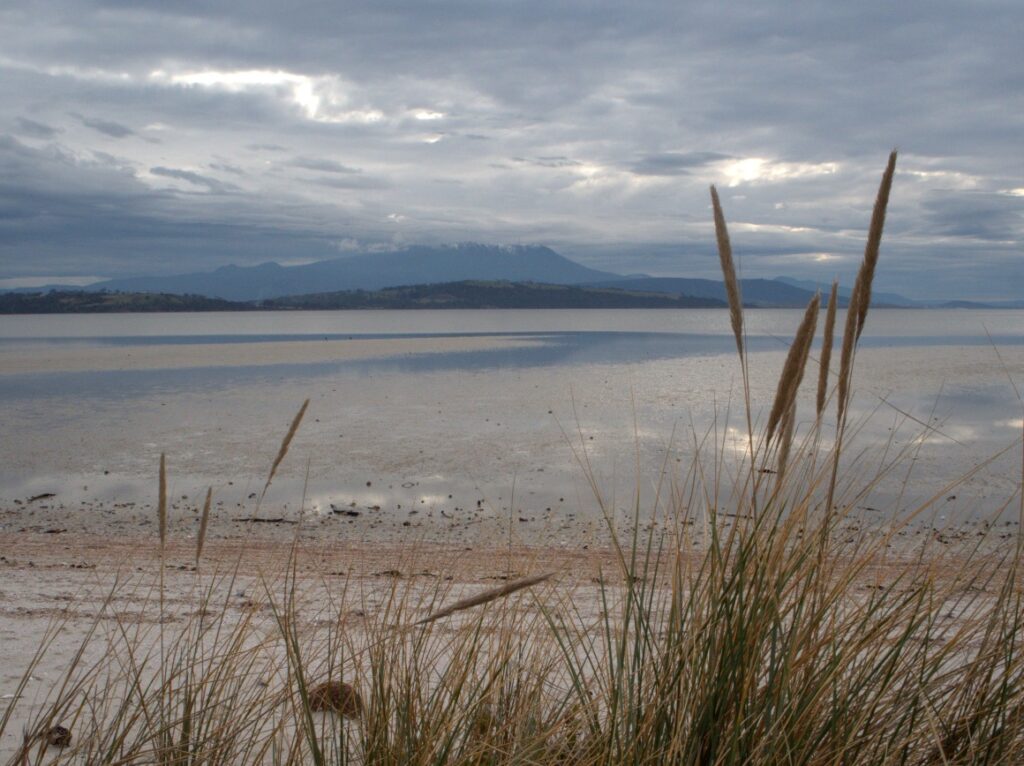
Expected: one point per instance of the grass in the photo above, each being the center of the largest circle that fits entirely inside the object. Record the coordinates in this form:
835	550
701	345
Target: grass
758	622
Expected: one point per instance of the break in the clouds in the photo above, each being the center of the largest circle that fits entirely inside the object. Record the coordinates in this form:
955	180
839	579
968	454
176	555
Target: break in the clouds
154	137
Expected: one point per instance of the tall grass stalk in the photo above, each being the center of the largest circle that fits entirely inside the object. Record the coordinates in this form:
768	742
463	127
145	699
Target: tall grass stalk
826	349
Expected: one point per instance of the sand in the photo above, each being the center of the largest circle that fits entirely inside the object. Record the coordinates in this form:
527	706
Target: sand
72	358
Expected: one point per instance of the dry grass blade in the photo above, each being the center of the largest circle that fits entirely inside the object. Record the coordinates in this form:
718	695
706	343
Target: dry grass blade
871	249
732	285
785	442
846	352
161	510
793	369
485	596
826	347
203	522
285	444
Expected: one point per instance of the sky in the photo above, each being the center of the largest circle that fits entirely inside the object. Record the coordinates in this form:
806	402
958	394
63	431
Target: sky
141	137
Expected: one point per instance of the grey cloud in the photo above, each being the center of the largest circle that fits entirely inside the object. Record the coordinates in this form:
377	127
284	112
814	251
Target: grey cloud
107	127
266	148
675	163
351	182
193	178
57	214
548	162
113	161
323	165
33	129
978	215
226	168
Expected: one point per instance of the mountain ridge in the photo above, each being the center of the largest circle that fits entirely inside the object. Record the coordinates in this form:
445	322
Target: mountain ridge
417	264
422	265
446	295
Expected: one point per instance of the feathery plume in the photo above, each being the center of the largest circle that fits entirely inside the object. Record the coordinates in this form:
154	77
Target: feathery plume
732	285
860	298
793	369
485	596
846	352
826	346
871	249
285	444
785	442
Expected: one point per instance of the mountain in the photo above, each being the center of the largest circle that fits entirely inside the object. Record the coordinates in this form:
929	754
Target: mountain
756	292
422	265
372	271
877	298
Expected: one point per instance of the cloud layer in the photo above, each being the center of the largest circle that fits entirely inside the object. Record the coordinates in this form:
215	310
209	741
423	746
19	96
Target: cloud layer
150	137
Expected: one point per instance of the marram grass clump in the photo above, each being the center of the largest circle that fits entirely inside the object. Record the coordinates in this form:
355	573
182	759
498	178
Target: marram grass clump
768	632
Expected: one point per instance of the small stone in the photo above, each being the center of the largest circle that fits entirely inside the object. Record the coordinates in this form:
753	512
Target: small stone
58	736
338	697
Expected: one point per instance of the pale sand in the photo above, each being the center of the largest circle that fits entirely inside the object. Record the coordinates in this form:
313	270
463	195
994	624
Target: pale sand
68	582
74	358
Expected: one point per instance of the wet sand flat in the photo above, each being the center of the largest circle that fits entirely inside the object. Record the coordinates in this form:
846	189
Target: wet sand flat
48	359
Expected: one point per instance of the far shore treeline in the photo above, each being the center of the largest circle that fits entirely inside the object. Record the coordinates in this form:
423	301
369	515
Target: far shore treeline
449	295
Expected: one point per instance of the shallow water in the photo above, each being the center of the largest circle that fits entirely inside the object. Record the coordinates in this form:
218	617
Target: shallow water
457	411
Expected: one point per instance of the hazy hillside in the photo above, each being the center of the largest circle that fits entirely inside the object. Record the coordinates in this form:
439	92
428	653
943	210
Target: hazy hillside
82	302
450	295
878	298
484	295
756	292
371	271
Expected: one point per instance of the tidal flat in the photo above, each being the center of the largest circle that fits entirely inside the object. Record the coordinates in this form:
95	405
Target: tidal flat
445	425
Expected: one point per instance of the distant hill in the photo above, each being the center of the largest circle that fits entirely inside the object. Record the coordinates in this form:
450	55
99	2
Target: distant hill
878	299
469	262
756	292
487	295
81	302
371	271
979	305
450	295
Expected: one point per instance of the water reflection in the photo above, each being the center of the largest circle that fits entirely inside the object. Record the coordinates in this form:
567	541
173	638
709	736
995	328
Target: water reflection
552	350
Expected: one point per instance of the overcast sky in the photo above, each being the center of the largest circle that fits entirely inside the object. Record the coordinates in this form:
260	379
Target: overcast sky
141	137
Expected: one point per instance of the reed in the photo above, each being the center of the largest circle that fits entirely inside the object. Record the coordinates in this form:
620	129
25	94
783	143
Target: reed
860	297
161	509
826	349
732	284
874	242
282	451
204	522
485	597
793	369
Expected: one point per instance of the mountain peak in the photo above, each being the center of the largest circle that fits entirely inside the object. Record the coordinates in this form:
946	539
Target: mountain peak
415	264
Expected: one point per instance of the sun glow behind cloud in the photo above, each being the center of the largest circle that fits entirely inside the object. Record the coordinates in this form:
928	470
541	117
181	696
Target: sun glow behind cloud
322	99
761	170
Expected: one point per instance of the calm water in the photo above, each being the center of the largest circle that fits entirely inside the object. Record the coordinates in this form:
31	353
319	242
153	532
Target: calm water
88	402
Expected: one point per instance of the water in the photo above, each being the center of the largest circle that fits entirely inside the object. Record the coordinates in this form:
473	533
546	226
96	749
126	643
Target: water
500	410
